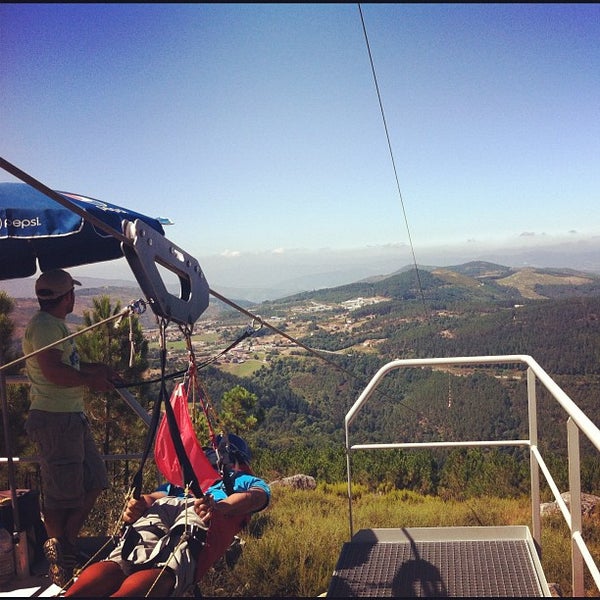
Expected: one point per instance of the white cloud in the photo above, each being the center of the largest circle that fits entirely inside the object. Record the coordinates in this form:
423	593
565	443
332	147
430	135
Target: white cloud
231	253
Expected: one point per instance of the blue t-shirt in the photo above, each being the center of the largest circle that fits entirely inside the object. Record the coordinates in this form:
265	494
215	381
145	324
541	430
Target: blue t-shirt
242	482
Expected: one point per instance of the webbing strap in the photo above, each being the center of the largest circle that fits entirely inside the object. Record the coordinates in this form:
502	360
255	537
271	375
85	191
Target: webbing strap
136	483
184	461
189	477
221	449
225	464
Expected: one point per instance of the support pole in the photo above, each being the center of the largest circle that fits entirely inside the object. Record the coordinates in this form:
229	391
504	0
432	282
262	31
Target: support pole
19	537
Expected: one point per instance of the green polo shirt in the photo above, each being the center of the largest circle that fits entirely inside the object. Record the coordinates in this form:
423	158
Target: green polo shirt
42	330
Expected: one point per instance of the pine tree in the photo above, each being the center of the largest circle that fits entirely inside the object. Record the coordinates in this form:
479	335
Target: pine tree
237	406
118	427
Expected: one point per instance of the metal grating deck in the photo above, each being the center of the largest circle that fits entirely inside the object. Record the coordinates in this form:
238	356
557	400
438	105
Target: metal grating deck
437	562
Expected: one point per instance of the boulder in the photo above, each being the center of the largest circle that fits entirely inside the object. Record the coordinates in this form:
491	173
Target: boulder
589	505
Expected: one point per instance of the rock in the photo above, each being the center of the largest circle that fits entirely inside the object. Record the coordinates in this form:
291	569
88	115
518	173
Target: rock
588	505
296	482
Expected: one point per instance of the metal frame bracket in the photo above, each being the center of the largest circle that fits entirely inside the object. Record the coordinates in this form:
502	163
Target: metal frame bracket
149	249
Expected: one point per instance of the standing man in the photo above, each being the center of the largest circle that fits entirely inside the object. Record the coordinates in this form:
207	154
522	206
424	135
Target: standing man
72	470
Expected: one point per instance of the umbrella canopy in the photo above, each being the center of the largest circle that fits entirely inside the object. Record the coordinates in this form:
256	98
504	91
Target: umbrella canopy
37	231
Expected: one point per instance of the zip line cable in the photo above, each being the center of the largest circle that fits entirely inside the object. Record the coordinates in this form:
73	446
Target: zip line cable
136	307
387	135
304	346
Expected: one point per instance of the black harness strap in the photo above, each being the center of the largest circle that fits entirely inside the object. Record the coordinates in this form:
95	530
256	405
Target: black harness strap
225	463
189	477
249	331
129	534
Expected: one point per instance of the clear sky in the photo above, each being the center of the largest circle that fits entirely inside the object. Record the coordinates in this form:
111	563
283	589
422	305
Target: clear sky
256	127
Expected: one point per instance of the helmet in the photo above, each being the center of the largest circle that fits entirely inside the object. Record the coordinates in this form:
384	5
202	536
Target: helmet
236	446
211	455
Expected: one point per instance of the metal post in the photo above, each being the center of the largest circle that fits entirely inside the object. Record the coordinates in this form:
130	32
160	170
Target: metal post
19	537
536	518
575	490
348	467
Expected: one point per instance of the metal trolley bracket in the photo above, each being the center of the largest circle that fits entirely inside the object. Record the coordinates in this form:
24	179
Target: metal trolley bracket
149	249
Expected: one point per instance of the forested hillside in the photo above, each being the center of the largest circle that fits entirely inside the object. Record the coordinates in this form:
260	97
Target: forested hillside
468	310
463	312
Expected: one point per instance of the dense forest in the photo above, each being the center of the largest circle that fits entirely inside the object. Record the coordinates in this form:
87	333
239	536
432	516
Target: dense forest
301	401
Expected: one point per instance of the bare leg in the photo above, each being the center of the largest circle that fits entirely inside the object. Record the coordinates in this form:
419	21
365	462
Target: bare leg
99	579
148	583
54	521
76	517
67	522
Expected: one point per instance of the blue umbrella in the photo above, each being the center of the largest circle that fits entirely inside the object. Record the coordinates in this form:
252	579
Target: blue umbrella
38	231
40	227
84	231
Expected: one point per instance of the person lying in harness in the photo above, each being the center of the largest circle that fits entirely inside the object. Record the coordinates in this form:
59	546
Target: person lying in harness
174	540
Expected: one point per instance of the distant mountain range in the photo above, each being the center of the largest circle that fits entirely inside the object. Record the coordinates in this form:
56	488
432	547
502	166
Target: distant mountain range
476	278
473	281
25	288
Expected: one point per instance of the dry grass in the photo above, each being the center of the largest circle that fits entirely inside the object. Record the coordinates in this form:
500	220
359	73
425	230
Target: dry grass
290	549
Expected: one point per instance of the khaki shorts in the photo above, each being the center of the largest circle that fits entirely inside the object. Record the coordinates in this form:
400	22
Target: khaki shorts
156	548
70	463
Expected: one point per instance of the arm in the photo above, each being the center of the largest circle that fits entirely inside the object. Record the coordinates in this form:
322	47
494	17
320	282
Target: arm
96	377
230	515
239	503
100	370
242	503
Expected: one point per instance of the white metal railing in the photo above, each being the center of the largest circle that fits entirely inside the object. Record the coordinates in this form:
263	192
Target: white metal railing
577	422
35	459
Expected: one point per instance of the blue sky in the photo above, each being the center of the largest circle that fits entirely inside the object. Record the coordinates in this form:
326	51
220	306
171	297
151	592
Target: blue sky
257	128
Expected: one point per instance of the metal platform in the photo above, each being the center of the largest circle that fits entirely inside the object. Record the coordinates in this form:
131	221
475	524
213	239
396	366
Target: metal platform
438	562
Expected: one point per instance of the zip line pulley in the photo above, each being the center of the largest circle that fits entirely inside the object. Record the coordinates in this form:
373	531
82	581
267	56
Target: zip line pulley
146	251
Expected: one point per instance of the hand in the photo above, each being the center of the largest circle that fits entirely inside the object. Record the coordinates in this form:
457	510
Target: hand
204	507
100	378
134	510
113	376
99	383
